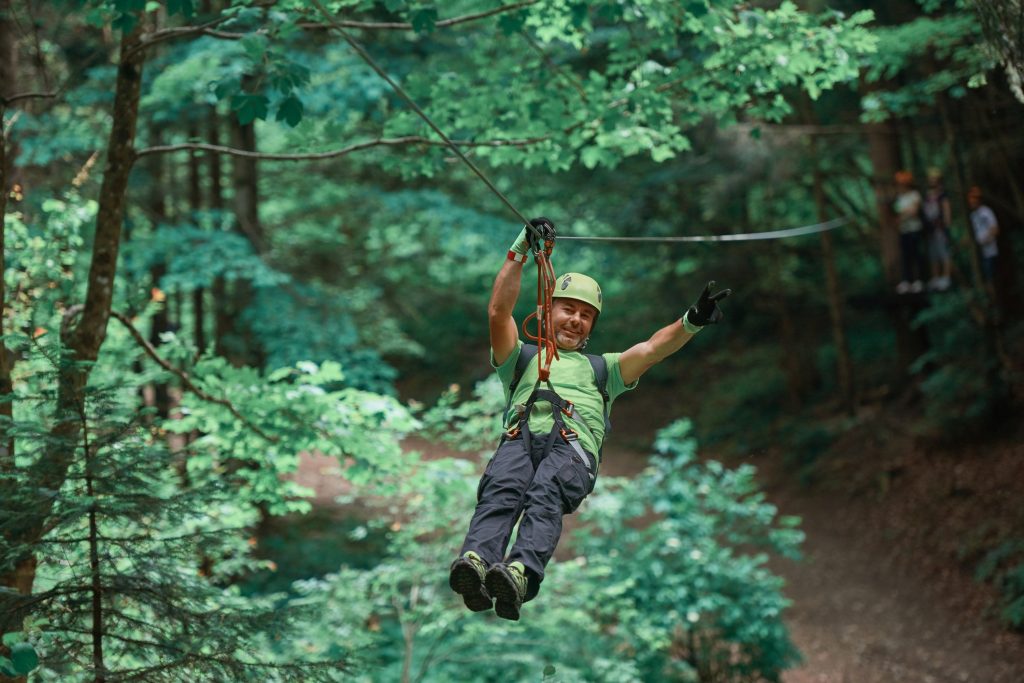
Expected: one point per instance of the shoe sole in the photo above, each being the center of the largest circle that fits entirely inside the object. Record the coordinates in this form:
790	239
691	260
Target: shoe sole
465	581
503	589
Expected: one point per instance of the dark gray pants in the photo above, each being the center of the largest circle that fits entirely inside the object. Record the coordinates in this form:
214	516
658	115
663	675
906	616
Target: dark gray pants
542	489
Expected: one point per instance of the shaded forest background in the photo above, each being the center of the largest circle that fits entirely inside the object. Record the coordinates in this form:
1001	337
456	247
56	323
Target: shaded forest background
228	244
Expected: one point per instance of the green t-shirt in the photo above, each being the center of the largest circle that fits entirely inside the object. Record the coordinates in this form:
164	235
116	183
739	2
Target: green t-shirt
573	379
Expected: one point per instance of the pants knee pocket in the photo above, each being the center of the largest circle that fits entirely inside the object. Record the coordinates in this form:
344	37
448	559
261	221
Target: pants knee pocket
574	484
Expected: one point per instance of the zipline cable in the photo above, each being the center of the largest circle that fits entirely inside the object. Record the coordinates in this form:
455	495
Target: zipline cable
415	107
738	237
542	253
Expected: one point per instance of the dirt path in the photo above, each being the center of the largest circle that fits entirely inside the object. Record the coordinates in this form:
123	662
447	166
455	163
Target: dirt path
857	619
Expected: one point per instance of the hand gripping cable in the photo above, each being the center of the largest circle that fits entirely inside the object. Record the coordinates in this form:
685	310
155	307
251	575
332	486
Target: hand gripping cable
545	336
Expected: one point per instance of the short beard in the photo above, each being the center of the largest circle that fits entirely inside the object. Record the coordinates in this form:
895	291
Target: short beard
579	347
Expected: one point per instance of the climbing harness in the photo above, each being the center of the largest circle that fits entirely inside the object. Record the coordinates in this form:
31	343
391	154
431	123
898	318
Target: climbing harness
597	364
560	408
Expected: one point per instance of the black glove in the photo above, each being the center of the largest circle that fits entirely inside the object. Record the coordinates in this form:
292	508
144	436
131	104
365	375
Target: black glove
706	309
546	229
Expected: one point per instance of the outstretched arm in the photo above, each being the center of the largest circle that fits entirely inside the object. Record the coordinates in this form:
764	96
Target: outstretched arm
640	358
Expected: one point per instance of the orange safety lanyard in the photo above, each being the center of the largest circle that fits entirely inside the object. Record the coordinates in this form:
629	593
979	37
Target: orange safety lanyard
547	350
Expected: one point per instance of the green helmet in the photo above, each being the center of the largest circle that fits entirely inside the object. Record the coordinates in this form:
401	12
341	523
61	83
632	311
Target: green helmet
580	287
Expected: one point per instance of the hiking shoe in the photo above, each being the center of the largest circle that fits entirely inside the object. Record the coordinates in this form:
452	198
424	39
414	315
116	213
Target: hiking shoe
507	584
467	579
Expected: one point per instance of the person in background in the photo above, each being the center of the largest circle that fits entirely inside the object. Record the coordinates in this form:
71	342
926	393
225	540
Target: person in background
938	216
986	229
907	207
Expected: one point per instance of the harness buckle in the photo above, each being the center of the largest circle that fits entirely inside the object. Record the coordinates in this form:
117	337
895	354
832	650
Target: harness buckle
513	433
568	408
568	434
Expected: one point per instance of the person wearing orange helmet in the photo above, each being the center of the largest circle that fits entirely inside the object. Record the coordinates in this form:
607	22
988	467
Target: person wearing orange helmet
546	463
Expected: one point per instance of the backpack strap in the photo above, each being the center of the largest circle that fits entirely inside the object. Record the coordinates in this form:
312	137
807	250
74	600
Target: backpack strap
600	367
526	354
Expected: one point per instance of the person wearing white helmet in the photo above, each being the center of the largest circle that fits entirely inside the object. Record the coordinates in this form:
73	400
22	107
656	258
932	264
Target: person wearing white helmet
546	463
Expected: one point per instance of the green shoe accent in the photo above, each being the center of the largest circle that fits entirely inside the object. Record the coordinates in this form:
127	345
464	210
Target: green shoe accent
466	578
506	583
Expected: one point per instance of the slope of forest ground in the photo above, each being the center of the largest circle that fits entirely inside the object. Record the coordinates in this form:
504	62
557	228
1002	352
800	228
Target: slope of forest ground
895	527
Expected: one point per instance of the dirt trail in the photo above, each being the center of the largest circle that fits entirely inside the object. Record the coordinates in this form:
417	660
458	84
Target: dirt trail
858	618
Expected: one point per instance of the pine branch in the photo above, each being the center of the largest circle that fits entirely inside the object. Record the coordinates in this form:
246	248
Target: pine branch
186	381
387	142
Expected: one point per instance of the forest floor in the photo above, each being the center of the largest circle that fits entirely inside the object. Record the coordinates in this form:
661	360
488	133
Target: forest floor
885	592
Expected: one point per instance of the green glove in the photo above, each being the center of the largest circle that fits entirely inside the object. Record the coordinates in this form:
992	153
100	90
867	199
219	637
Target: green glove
705	311
524	243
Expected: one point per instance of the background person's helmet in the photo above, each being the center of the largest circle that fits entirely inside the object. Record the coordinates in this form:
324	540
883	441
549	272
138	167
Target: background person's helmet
580	287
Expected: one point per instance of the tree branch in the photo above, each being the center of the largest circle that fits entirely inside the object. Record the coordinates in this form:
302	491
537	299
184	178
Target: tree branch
5	101
402	26
150	39
207	29
185	380
387	142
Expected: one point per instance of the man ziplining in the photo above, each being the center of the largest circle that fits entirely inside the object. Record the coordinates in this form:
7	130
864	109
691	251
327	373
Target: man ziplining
547	460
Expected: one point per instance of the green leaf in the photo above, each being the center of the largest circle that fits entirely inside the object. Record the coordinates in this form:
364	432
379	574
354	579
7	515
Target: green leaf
579	11
698	8
248	108
512	23
24	658
290	111
423	20
7	668
125	22
255	46
182	7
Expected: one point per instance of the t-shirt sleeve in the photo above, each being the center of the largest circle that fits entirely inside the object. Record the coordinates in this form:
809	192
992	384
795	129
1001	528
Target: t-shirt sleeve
508	368
615	384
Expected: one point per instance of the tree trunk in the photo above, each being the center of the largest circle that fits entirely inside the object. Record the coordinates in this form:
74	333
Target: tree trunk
844	366
84	338
244	179
195	201
245	202
161	321
8	85
221	318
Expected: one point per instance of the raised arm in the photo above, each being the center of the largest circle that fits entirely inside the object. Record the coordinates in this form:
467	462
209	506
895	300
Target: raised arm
503	329
640	358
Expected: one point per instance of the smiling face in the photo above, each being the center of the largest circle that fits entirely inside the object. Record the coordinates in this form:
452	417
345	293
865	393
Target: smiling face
572	320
